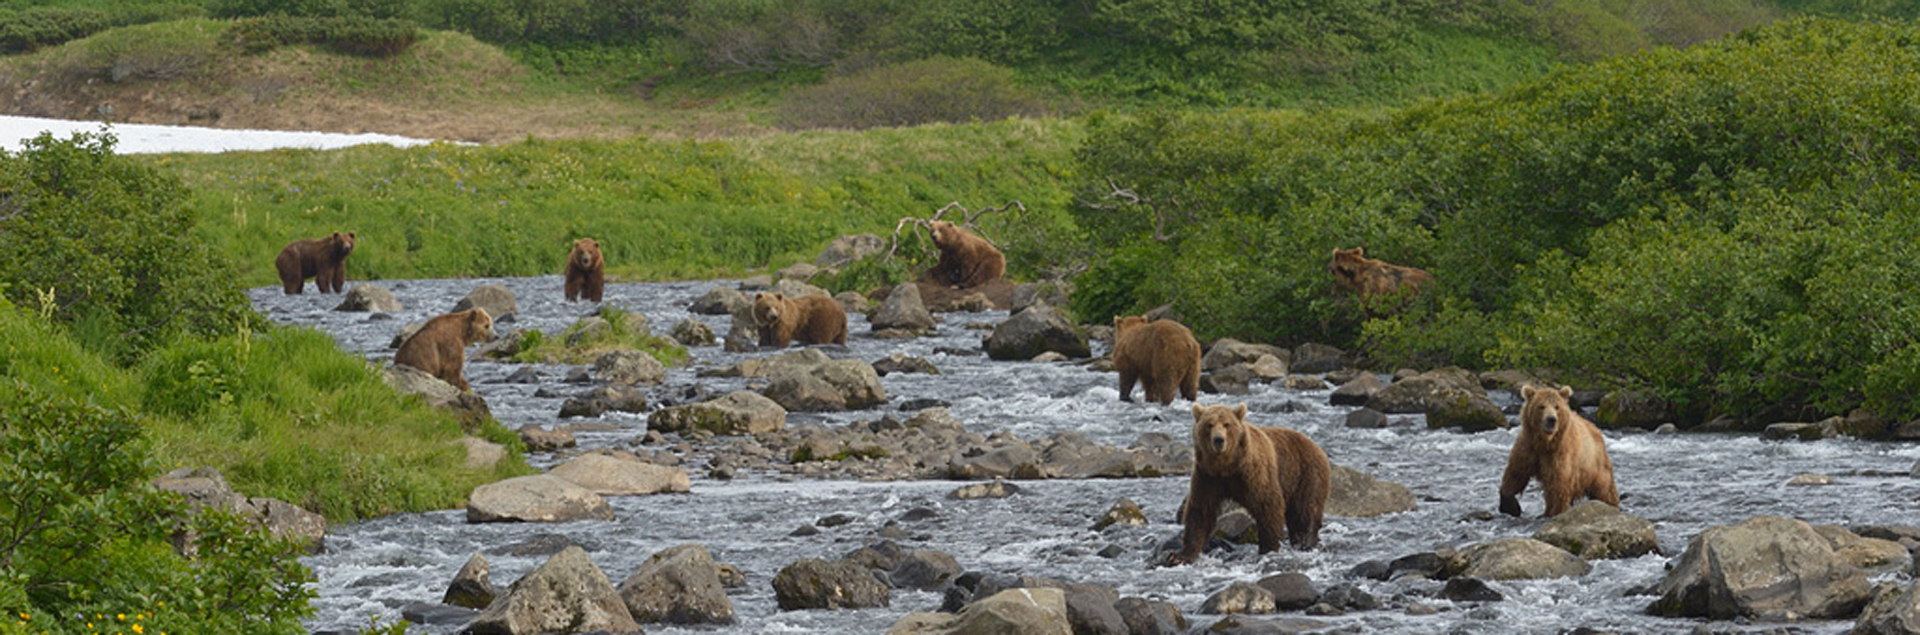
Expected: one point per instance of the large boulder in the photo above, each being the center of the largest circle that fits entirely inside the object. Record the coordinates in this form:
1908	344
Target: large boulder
1632	409
496	299
472	587
737	412
1357	391
612	476
812	583
1150	617
1468	410
205	487
801	358
1895	612
1037	330
1028	611
1516	559
692	332
679	585
537	498
1873	555
1354	493
1227	351
369	298
1596	530
566	594
722	301
903	311
834	385
627	368
848	248
468	407
1317	358
1240	597
1413	394
1767	567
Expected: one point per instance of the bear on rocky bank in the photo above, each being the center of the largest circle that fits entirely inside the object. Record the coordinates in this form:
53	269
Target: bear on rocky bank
1372	278
812	319
323	259
1562	449
1162	355
586	271
440	347
966	260
1279	475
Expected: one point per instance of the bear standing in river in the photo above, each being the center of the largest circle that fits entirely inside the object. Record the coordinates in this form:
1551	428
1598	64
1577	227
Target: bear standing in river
323	259
1279	475
586	271
812	319
440	347
1562	449
1162	355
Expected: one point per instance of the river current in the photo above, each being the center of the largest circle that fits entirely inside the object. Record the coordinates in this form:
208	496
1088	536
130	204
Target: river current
1683	483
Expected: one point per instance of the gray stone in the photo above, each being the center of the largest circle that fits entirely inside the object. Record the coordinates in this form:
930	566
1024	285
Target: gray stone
678	585
1632	409
204	487
738	412
795	288
1124	512
1290	591
1469	589
903	310
1413	394
1038	329
692	332
722	301
481	453
1027	611
1366	418
369	298
627	368
1872	555
1767	567
903	363
1596	530
1470	411
1014	460
566	594
1241	597
1892	612
812	583
925	569
539	439
848	248
1356	494
1151	617
1244	625
852	302
1227	351
1317	358
536	498
472	587
1517	559
995	489
798	271
610	476
496	299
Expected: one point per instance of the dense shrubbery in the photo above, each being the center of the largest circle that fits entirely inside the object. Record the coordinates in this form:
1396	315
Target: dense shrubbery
35	27
938	89
352	35
1725	225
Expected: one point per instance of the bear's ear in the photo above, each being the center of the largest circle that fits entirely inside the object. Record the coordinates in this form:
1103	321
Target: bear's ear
1566	391
756	296
1240	411
480	313
353	236
1197	410
1526	392
1359	252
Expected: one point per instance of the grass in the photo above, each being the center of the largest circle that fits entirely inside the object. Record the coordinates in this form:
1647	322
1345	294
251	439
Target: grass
541	348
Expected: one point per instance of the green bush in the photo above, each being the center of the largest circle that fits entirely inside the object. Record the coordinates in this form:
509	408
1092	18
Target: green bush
938	89
37	27
373	37
563	349
376	9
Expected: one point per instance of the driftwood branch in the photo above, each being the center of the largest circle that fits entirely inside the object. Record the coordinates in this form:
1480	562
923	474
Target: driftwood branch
967	218
1124	197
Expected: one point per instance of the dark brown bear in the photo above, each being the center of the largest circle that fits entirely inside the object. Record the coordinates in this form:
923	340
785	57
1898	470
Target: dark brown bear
1162	355
440	347
1562	449
966	260
1374	279
323	259
1279	475
586	271
811	319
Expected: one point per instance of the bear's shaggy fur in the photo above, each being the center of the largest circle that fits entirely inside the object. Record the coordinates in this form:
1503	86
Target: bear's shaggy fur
1162	355
1279	475
812	319
323	259
966	260
1372	278
440	347
586	271
1562	449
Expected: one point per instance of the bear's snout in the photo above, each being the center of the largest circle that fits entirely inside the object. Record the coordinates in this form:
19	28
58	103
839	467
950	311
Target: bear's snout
1550	422
1219	442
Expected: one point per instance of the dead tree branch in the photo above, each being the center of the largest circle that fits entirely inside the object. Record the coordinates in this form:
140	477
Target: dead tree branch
1125	197
967	218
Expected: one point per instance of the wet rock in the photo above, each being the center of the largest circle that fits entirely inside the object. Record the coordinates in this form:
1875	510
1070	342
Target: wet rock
1241	597
505	346
1426	565
797	392
1317	358
1793	431
1767	567
848	248
691	332
1872	555
812	583
1014	460
205	487
1232	380
1347	597
1227	351
1596	530
1372	570
1892	612
800	271
915	405
903	311
852	302
1150	617
1366	418
678	585
1804	480
1304	382
466	406
627	368
1470	411
879	556
738	412
1027	611
798	359
903	363
472	587
1290	591
1356	494
481	453
365	297
602	400
1242	625
1124	512
496	299
536	498
1517	559
795	288
925	569
566	594
1412	395
430	614
1632	409
1038	329
610	476
524	375
538	439
846	383
721	301
995	489
536	545
1469	589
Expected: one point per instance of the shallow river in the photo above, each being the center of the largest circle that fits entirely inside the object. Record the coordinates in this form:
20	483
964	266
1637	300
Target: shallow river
1683	483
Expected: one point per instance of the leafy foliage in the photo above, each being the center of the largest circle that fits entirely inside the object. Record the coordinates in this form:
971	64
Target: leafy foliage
354	35
938	89
37	27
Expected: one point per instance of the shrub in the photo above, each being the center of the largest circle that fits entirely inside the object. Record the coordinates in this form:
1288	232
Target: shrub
561	349
352	35
938	89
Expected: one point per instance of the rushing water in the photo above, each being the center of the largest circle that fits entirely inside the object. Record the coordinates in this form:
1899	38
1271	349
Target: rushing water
1682	483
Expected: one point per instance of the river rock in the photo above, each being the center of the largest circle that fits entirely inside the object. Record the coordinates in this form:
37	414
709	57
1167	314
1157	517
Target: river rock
1470	411
364	298
1028	611
678	585
1632	409
1366	418
1241	597
1291	591
903	363
536	498
1150	617
722	301
205	487
924	569
481	453
834	385
1413	394
1243	625
801	271
903	311
472	587
1227	351
1036	330
1317	358
1766	567
627	368
1357	391
566	594
610	476
995	489
1354	493
1232	380
848	248
1124	512
692	332
1872	555
1015	460
1469	589
760	367
466	406
812	583
737	412
1892	612
603	399
1596	530
539	439
504	346
1517	559
496	299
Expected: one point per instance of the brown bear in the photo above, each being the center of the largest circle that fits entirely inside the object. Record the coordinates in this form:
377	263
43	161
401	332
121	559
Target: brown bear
812	319
966	260
323	259
1562	449
440	347
1372	278
586	271
1279	475
1161	354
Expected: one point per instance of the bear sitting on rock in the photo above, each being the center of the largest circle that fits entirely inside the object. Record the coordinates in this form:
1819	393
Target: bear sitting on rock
440	347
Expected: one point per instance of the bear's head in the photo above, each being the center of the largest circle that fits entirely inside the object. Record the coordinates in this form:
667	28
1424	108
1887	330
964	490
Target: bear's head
586	254
1219	430
342	243
1348	263
944	233
479	325
1546	409
766	308
1127	323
